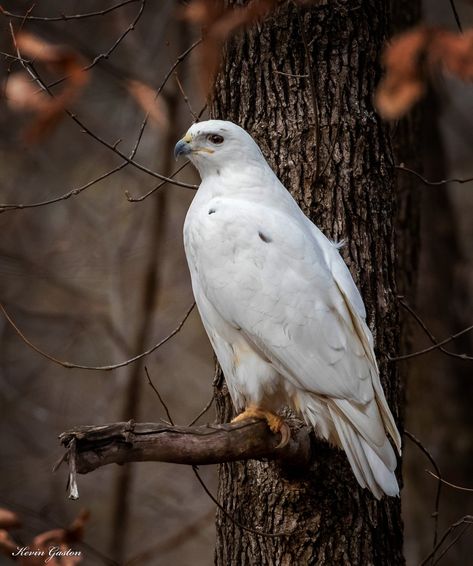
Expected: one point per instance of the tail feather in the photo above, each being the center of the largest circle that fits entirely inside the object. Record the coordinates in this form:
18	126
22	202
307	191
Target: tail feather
368	422
386	414
369	469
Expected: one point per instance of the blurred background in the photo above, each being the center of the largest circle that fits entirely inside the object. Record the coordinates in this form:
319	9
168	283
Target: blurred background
95	279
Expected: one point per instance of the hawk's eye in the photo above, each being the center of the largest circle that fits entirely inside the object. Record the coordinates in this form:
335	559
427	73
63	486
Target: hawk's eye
215	139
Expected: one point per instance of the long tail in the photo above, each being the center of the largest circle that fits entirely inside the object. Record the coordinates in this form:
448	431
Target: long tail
374	470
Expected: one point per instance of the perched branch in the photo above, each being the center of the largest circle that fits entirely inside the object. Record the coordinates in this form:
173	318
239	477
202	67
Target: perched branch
91	447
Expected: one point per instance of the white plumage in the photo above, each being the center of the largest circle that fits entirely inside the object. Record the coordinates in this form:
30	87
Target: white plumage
282	312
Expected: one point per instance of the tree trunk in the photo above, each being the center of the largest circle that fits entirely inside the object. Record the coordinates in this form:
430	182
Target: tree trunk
301	83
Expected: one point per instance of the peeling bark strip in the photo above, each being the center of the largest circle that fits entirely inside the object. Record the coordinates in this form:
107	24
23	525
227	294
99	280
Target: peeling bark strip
302	83
90	447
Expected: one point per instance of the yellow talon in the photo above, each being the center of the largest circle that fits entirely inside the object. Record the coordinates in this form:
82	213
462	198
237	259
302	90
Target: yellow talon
275	422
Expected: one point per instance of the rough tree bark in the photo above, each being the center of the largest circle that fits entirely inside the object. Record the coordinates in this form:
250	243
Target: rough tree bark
301	83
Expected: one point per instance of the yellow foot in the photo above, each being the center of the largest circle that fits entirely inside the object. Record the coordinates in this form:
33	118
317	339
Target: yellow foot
275	422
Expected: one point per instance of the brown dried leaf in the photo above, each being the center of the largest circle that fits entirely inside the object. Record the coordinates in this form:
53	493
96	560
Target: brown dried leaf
454	52
8	519
62	60
204	12
75	531
219	23
236	18
22	94
145	96
7	544
403	83
409	60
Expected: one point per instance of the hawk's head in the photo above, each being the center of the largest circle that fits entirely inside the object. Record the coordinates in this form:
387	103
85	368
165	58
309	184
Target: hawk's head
216	144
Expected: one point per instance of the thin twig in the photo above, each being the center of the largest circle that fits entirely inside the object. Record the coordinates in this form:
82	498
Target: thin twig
432	183
291	75
161	400
466	526
73	192
431	348
333	144
173	541
112	147
131	198
431	459
313	92
230	517
65	17
170	71
456	16
129	29
467	519
422	324
204	410
70	365
106	54
184	96
459	487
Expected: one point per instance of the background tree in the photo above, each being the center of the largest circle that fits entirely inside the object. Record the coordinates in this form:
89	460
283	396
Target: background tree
302	84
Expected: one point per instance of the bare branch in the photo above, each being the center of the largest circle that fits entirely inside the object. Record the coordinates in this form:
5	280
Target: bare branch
431	348
204	410
161	400
402	167
456	16
131	198
65	17
129	29
185	97
91	447
231	517
73	192
176	539
105	56
291	75
459	487
431	459
70	365
422	324
112	147
313	92
466	520
171	70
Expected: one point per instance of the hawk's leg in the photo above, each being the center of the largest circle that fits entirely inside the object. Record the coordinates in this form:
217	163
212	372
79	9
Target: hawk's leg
275	422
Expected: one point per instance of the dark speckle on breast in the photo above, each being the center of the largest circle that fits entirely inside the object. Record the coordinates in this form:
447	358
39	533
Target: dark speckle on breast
218	172
212	210
264	238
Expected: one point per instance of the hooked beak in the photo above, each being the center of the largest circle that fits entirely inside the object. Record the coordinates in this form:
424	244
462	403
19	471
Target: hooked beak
183	147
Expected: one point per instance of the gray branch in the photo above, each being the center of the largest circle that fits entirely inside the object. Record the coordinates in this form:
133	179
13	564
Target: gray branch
90	447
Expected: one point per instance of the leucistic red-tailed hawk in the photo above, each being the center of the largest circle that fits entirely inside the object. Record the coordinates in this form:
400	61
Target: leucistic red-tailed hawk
282	312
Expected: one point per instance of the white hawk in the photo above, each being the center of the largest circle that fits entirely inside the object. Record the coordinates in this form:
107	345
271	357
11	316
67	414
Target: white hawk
280	307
